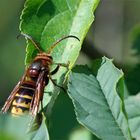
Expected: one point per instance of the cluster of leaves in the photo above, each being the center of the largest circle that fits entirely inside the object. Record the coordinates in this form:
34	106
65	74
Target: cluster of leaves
97	93
99	102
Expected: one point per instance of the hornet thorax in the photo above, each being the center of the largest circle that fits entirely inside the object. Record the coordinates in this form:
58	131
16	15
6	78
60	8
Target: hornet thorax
41	63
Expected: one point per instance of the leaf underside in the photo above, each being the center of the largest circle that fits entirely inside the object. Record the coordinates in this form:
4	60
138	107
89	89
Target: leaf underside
98	100
132	105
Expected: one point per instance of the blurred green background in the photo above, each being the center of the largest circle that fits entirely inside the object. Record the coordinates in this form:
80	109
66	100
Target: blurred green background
112	34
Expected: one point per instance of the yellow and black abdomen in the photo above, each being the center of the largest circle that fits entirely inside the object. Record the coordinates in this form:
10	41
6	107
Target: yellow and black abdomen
22	101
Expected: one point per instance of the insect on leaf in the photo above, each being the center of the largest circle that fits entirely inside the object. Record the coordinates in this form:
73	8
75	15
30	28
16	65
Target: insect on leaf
46	21
49	20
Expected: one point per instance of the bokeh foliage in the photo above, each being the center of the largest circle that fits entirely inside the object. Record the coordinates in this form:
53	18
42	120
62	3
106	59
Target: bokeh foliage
13	53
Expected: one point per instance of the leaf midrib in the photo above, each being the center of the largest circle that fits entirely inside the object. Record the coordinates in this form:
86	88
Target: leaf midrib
110	107
72	11
104	106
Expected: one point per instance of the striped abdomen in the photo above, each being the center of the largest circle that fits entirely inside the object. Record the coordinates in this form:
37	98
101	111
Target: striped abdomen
22	101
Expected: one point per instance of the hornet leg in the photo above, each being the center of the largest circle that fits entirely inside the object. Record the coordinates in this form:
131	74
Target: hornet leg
56	84
58	66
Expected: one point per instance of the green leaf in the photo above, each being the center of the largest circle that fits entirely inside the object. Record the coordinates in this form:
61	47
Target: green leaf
13	128
42	132
132	105
98	100
9	131
49	20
